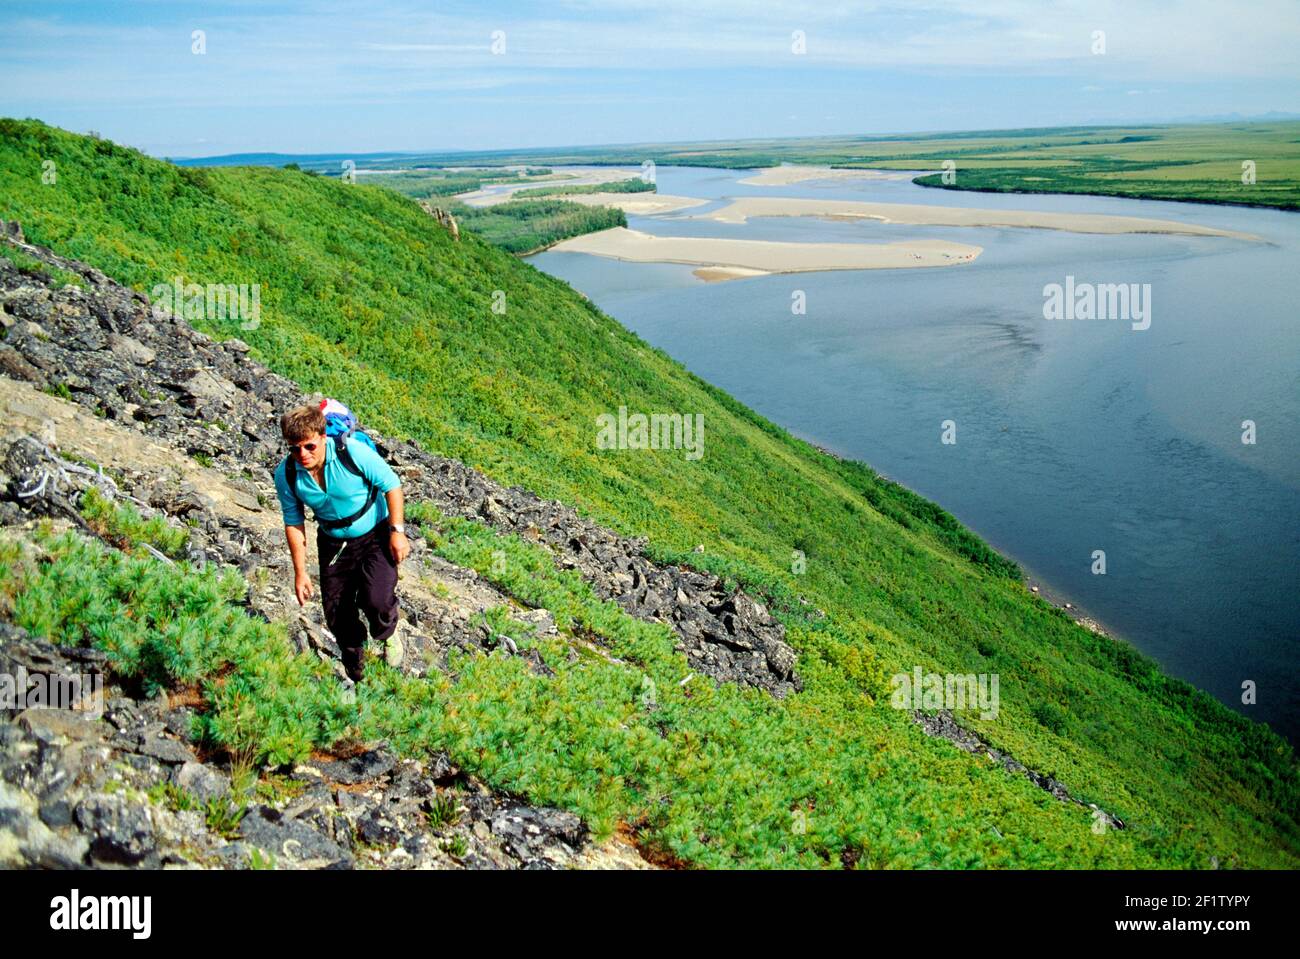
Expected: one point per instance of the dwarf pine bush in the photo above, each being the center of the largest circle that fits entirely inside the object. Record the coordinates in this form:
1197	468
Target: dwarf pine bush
170	630
712	774
122	524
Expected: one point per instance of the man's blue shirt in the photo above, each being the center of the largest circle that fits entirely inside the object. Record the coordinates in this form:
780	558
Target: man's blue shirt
344	492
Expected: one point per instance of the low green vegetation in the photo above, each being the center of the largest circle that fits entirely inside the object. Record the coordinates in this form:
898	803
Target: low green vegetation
223	815
176	629
634	185
366	298
712	775
123	525
425	184
174	797
527	226
259	860
35	268
442	811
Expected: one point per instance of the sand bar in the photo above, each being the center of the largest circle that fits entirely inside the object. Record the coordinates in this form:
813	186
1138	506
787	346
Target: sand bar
562	176
797	173
721	259
742	208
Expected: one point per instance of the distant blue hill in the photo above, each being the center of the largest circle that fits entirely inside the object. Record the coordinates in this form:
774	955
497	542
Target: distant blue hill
313	160
602	153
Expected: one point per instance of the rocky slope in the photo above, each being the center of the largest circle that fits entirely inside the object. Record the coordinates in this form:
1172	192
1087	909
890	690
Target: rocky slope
186	427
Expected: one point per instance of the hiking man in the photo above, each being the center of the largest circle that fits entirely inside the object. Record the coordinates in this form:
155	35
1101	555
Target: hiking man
360	535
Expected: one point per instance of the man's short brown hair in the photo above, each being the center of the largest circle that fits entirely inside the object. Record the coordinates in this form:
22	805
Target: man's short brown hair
302	422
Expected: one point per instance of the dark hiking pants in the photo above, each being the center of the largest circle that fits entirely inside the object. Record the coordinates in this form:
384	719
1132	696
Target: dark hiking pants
358	577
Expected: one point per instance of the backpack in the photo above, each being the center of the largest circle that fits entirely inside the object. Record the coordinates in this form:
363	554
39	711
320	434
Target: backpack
341	424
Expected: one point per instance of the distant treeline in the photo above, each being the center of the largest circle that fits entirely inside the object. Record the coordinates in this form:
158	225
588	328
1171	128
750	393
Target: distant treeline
1138	181
635	185
526	226
424	183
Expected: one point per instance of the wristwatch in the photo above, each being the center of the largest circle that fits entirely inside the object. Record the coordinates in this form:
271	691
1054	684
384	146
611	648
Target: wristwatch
397	528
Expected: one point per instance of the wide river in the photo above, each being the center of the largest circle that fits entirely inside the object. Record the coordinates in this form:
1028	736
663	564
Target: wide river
1072	435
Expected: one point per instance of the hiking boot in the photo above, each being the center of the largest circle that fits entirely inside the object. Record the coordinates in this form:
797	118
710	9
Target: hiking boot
394	650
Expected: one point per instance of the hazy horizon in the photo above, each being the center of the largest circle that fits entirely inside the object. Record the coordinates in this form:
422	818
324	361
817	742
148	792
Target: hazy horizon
558	147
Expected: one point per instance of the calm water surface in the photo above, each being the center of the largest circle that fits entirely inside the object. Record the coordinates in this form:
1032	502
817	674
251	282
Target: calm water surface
1072	436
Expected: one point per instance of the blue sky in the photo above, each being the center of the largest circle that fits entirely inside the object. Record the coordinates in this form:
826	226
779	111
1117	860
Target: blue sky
298	77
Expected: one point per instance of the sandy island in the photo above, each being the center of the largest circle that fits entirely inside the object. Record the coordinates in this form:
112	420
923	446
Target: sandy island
741	209
725	259
797	173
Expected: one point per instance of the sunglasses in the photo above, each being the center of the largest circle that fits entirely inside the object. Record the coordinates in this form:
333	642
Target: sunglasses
307	447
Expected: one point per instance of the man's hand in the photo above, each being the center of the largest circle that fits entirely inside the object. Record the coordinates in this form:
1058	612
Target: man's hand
296	536
398	546
302	588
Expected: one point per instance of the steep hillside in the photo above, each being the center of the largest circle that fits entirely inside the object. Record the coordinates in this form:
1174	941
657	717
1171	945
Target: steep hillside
178	771
364	297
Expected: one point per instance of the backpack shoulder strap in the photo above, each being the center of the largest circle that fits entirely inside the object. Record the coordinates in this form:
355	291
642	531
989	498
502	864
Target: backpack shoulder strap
372	491
291	478
345	457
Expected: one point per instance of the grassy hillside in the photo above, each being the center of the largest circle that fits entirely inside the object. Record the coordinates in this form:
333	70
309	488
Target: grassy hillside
366	298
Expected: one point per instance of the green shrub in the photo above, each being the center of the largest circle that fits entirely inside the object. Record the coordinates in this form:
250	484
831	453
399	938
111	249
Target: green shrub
122	525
